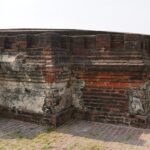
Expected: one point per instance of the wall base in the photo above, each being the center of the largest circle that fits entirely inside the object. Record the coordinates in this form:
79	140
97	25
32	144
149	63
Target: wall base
53	119
128	120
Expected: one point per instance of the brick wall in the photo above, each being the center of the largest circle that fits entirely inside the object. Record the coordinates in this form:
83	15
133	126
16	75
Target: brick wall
51	76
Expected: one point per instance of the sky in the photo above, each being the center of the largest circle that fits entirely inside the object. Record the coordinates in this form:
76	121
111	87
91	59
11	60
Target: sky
104	15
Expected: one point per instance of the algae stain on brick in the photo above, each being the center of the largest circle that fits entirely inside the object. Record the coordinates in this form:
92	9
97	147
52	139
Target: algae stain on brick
37	98
42	98
19	96
63	95
78	85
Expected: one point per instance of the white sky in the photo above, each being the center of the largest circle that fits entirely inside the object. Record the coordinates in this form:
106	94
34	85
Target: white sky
108	15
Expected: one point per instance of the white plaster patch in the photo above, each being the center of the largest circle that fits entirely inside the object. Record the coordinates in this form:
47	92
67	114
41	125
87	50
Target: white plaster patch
23	96
7	58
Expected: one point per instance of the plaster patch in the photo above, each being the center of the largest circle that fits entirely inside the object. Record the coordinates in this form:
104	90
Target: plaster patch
139	100
23	96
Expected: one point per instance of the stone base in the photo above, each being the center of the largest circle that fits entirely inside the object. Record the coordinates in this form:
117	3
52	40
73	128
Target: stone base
53	119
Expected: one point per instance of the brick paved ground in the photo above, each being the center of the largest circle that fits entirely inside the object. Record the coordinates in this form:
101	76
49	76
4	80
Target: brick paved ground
74	135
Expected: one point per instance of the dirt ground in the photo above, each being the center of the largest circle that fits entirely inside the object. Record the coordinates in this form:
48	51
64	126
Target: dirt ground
74	135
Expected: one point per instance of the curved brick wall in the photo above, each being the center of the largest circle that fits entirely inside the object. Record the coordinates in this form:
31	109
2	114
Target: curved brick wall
53	75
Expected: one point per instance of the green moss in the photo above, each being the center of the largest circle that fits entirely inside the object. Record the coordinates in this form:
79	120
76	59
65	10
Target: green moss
19	135
50	129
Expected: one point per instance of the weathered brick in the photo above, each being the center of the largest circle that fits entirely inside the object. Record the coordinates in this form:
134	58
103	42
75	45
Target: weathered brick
44	73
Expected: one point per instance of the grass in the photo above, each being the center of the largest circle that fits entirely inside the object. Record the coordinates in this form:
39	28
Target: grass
128	137
19	141
87	146
50	129
49	139
19	135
